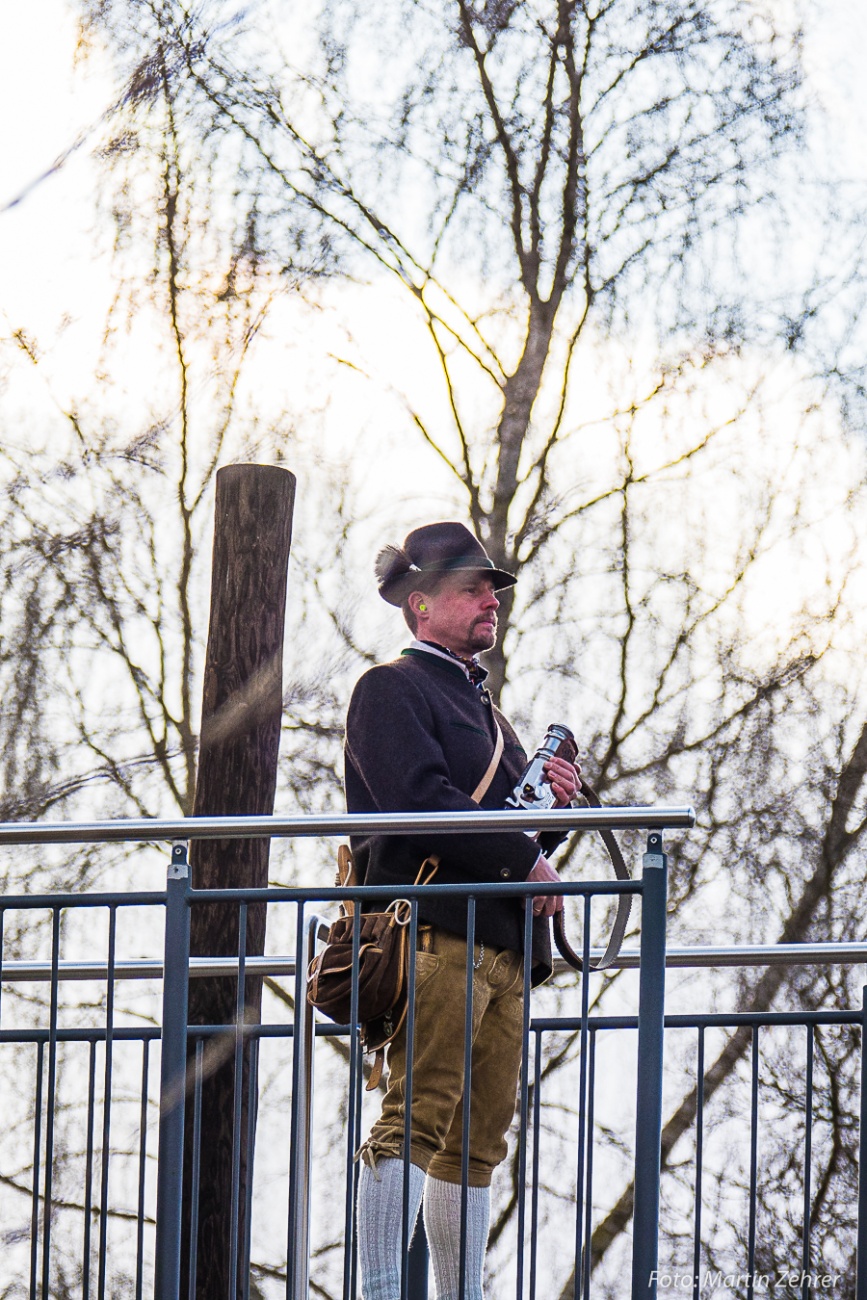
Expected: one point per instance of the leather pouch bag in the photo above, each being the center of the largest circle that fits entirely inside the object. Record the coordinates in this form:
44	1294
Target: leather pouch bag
383	966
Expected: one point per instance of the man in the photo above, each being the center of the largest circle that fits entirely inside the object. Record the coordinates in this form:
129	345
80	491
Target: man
420	734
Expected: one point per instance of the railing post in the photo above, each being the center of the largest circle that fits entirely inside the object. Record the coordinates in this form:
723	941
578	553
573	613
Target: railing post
301	1121
651	1025
170	1167
861	1275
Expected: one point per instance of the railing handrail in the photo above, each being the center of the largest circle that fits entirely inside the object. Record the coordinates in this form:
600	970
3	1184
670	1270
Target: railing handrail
307	894
142	829
144	968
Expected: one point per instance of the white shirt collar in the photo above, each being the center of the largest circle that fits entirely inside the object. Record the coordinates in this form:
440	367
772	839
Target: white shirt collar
431	650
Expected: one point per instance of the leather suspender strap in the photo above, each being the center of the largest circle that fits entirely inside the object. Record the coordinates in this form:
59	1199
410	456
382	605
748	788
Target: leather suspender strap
482	788
624	902
346	876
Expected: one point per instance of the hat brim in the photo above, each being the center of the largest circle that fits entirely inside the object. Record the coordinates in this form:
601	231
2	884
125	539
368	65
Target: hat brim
397	590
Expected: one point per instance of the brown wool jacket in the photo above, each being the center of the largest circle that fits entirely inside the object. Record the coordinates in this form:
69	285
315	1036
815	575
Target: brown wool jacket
419	737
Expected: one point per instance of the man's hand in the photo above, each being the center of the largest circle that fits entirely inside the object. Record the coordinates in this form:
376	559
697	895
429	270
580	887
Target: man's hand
565	779
546	904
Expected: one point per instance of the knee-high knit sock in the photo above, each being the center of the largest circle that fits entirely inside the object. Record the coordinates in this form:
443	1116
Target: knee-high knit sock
442	1221
379	1217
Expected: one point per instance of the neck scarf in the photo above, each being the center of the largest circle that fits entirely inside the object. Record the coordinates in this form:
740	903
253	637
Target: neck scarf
473	669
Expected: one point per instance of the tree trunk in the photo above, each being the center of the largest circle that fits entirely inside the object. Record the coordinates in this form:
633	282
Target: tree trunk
519	396
837	844
237	774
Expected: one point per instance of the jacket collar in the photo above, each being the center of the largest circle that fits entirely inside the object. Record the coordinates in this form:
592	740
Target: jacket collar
474	673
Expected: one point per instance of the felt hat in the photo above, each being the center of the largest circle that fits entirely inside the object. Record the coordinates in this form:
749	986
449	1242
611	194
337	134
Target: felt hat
433	549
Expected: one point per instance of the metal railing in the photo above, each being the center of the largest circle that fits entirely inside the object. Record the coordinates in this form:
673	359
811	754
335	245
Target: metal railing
652	888
132	830
180	1096
695	957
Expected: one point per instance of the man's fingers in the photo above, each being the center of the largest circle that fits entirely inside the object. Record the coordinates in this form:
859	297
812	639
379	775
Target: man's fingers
564	777
547	905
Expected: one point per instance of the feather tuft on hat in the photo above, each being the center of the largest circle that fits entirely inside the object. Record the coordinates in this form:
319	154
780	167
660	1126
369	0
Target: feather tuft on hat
392	562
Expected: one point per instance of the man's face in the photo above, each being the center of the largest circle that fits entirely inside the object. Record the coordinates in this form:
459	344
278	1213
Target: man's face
462	614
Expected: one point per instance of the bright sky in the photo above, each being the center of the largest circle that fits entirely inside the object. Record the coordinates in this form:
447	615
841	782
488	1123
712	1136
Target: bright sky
47	245
45	104
54	262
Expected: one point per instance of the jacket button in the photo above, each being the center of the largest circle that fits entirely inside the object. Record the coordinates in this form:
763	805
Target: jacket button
505	874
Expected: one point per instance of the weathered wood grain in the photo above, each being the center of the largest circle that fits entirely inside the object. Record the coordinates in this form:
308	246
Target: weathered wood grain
237	773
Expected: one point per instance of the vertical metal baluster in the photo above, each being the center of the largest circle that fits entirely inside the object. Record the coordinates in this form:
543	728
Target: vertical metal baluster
106	1107
699	1162
355	1173
252	1092
294	1263
588	1200
537	1137
861	1273
50	1103
88	1172
197	1164
142	1167
524	1104
808	1163
754	1165
648	1109
37	1152
582	1105
353	1116
240	1039
173	1070
468	1082
406	1230
419	1253
303	1035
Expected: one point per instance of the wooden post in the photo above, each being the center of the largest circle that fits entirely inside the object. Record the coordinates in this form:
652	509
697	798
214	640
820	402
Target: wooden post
237	774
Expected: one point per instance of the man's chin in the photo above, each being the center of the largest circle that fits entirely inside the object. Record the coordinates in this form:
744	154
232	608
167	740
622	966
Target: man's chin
484	638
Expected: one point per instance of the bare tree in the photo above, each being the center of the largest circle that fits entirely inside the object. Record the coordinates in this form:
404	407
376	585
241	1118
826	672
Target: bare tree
557	190
580	157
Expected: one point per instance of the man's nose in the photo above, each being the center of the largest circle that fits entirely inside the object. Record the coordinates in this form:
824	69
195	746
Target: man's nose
491	601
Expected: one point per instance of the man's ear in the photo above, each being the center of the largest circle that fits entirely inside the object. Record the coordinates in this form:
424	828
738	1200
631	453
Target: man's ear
418	603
